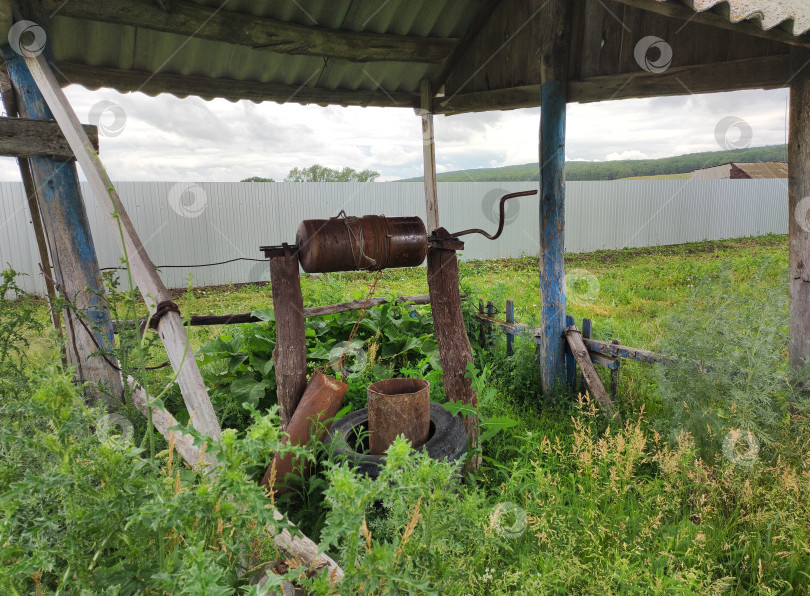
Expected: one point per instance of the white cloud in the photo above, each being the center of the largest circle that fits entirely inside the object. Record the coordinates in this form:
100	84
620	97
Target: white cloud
166	138
630	154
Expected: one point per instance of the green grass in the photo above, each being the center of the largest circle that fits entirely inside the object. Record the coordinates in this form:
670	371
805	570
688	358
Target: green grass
609	508
685	176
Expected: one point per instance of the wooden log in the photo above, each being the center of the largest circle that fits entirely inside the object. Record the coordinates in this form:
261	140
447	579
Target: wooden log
429	159
554	74
299	547
88	329
10	105
510	318
290	353
595	386
170	326
310	311
24	137
799	211
256	32
454	345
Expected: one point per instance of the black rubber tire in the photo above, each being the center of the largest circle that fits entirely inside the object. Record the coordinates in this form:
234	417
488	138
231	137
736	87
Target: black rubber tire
448	440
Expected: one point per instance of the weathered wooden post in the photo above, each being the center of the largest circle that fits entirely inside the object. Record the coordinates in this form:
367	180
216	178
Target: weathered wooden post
554	77
510	318
290	353
429	157
799	209
72	249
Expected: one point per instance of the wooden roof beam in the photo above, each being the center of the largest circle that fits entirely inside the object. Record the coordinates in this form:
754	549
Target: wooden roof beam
677	10
771	72
194	20
95	77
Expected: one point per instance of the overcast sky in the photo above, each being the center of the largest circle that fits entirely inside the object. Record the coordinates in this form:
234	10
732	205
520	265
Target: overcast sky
171	139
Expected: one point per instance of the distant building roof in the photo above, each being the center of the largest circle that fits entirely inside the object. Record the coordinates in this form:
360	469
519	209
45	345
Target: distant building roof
743	170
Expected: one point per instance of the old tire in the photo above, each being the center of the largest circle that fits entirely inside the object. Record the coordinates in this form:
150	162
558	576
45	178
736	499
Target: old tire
447	440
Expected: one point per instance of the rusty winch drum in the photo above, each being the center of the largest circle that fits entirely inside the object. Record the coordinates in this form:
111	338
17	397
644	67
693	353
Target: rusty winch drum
368	243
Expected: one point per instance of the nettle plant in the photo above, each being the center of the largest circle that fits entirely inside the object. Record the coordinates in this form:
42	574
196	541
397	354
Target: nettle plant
731	379
392	340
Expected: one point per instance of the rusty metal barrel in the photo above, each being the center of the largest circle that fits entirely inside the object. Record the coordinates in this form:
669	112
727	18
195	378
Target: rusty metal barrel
398	407
368	243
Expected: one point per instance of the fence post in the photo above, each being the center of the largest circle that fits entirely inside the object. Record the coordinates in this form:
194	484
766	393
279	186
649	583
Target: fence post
570	361
491	315
587	333
510	318
615	375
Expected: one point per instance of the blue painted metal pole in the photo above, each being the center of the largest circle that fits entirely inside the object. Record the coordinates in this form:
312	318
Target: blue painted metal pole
71	243
552	233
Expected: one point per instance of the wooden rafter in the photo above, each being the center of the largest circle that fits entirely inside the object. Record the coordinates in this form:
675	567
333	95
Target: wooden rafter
23	137
770	72
95	77
203	22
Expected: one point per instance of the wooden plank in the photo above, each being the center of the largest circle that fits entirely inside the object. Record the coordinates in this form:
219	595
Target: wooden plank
464	44
454	345
290	353
620	351
769	72
150	83
258	33
24	137
799	210
88	327
300	547
429	158
594	383
554	72
170	327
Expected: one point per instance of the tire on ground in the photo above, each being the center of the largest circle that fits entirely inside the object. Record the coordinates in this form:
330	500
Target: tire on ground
447	441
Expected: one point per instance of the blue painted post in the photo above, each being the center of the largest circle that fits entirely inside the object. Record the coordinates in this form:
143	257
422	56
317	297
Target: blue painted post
510	318
491	315
555	40
72	250
587	333
552	233
570	361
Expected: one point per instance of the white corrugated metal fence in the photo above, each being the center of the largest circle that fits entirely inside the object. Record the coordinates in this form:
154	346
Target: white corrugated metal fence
192	224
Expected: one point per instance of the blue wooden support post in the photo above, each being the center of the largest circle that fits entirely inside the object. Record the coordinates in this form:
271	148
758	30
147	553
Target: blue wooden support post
491	315
554	77
510	318
570	361
72	250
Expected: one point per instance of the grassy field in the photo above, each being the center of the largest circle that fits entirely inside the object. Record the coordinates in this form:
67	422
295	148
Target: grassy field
685	176
565	501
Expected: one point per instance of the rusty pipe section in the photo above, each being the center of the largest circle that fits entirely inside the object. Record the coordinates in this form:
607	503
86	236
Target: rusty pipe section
368	243
398	407
504	198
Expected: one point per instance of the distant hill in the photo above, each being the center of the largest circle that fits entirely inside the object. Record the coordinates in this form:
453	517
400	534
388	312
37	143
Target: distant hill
615	170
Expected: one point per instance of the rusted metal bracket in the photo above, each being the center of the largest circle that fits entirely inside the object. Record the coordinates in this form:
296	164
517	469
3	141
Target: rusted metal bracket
279	250
441	239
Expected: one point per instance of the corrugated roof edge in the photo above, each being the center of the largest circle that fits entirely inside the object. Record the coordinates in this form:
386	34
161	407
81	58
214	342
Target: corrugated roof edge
791	15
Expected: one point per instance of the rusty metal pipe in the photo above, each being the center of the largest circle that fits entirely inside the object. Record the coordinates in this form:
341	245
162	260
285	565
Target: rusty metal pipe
398	407
504	198
320	402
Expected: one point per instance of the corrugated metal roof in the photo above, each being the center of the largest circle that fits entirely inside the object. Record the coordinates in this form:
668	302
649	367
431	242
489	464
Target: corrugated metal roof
77	42
764	169
791	15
